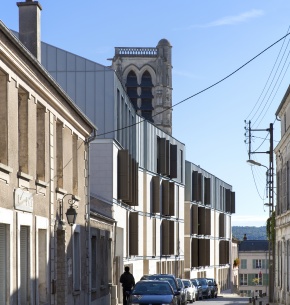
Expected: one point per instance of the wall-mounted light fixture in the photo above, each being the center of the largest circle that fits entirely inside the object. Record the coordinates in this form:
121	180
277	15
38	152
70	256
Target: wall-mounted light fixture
71	213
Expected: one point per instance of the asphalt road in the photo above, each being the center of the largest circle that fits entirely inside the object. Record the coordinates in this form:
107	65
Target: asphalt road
224	300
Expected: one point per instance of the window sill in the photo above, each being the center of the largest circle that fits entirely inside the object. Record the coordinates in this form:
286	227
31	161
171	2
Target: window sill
24	176
76	292
41	187
5	172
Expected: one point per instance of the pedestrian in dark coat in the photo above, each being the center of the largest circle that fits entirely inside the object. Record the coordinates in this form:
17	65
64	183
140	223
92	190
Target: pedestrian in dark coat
128	282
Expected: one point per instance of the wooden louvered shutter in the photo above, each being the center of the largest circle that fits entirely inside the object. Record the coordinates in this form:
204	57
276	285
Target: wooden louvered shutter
165	197
207	191
123	175
156	194
194	219
194	252
233	202
194	186
173	161
133	233
171	199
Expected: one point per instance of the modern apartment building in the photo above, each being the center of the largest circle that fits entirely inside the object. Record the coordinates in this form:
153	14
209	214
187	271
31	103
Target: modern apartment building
43	154
209	203
254	267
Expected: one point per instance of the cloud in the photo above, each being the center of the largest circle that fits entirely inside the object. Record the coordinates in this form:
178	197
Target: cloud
229	20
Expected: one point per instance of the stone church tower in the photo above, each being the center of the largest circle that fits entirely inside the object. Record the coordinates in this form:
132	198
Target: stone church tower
146	73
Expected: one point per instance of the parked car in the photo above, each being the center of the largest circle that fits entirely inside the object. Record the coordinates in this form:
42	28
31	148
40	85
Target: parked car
182	291
197	285
153	292
190	290
165	277
214	288
206	292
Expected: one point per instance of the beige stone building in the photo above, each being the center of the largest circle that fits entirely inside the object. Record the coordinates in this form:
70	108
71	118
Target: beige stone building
43	172
146	73
282	225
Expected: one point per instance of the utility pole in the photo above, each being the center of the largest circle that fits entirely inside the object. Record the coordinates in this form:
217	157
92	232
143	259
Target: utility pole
270	185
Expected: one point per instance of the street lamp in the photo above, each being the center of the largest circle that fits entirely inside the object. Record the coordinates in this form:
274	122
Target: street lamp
71	213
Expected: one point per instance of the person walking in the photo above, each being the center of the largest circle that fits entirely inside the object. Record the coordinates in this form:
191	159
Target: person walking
128	282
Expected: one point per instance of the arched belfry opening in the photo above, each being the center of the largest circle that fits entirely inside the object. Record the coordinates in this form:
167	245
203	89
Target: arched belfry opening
131	87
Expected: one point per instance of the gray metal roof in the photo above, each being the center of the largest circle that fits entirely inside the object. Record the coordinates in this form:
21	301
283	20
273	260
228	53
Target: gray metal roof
254	245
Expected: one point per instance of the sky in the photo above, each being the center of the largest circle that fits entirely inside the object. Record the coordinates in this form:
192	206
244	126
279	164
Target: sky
210	40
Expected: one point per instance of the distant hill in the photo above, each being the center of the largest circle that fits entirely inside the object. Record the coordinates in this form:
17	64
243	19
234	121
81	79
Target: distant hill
253	233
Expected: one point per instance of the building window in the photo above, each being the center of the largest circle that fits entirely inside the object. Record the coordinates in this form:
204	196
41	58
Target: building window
146	96
40	144
258	279
4	246
243	264
76	261
42	266
257	264
243	279
23	130
59	154
94	262
75	163
3	119
24	264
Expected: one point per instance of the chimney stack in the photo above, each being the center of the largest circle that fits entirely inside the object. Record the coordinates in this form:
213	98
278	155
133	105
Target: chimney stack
245	237
29	26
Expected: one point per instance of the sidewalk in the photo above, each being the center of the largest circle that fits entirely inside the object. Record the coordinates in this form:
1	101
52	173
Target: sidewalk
264	300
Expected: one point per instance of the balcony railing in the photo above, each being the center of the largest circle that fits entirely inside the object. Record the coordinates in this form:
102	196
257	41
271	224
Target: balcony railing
135	52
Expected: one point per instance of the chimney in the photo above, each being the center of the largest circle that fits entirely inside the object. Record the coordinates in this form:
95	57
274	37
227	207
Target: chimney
245	237
29	26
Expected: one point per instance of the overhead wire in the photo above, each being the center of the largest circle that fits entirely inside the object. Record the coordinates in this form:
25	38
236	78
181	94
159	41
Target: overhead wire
199	92
267	79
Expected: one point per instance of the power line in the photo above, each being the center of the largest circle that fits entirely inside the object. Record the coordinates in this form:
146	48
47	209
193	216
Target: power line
201	91
267	81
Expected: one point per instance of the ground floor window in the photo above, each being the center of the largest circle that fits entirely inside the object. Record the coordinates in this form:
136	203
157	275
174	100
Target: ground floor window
3	263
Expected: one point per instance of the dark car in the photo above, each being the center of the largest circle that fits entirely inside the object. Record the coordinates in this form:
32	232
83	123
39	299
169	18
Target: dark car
196	283
183	296
205	288
213	287
153	292
165	277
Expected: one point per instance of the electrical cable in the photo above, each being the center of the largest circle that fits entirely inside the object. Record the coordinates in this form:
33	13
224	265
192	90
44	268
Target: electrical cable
272	89
268	78
201	91
256	184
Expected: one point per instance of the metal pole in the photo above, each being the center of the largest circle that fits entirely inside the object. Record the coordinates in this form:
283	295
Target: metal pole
271	203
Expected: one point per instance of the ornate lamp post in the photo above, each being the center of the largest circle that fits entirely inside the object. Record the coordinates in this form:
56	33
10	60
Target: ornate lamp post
71	213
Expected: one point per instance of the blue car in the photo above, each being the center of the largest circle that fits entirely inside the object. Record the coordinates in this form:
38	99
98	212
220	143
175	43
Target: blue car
153	292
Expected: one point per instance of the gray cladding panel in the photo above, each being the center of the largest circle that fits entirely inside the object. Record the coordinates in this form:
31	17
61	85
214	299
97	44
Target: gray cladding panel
71	85
71	62
80	90
80	64
90	66
61	78
51	58
61	60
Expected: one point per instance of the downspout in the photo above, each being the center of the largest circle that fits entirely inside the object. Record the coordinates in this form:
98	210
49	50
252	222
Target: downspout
89	250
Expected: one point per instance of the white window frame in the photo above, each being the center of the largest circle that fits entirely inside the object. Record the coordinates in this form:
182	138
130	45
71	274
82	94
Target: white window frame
41	223
6	217
245	279
258	263
76	229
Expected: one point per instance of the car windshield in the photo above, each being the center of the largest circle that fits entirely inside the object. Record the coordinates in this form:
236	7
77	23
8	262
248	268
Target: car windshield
164	278
203	282
194	282
152	288
186	283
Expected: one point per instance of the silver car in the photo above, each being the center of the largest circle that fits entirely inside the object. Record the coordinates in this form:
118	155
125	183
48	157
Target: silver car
190	291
